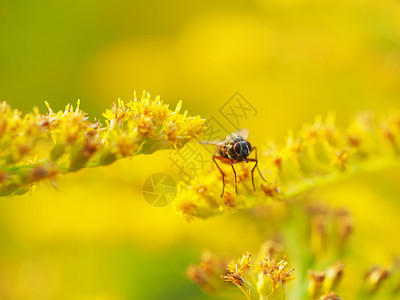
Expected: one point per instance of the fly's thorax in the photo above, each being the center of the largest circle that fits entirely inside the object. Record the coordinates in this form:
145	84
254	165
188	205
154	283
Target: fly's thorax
234	138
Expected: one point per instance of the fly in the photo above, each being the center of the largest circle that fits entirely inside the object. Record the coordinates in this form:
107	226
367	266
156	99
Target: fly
234	149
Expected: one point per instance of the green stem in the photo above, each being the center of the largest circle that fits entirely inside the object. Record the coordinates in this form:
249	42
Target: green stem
369	166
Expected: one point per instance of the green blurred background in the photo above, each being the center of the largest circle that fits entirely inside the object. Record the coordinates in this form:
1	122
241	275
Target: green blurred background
95	237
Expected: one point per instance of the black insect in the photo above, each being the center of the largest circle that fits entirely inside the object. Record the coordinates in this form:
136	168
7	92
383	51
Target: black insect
234	149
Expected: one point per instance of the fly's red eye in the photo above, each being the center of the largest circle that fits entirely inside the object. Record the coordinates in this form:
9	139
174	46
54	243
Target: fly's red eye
248	146
237	148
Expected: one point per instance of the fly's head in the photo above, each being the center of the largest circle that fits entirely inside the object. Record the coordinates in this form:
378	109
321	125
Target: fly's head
243	149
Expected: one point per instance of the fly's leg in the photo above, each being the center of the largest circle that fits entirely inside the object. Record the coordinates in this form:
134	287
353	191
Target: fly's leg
255	166
252	171
234	172
223	159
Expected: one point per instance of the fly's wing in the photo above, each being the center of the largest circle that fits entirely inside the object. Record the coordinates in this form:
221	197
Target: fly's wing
214	143
243	133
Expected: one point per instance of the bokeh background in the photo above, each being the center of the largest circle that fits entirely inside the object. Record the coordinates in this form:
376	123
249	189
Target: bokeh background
95	237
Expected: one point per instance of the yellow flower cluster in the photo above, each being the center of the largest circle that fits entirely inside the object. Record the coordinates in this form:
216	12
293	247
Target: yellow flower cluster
265	282
145	126
239	271
267	278
277	272
319	154
329	229
323	283
38	146
316	239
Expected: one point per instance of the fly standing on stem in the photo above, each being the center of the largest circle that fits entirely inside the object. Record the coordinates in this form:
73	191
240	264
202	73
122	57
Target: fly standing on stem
234	149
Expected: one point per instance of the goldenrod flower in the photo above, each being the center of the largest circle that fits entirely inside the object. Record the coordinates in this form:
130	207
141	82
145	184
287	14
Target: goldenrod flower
315	284
329	230
322	284
266	281
239	274
207	274
333	275
271	249
319	154
375	277
38	146
330	296
238	271
272	278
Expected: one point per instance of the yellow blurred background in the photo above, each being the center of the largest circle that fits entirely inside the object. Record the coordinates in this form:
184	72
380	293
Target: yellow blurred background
95	237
